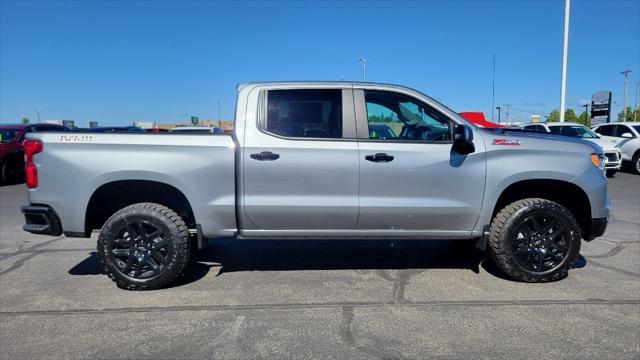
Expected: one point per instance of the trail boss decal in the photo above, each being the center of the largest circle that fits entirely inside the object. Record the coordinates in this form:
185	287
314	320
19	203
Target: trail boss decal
507	142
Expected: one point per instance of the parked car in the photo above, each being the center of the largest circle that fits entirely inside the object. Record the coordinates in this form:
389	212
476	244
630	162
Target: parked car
11	150
613	155
197	130
626	136
156	130
113	129
528	198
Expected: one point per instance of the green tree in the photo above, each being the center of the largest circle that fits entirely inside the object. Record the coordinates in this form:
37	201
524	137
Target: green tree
585	119
570	115
629	114
25	120
554	116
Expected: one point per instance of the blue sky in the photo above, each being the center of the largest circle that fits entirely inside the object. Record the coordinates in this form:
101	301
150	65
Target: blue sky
116	62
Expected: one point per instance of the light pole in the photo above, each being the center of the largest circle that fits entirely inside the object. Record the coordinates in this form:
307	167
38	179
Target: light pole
507	105
498	108
635	108
565	47
626	80
364	68
586	114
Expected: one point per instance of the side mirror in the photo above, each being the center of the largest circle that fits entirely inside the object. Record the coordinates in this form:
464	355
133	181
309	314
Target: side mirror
463	138
627	135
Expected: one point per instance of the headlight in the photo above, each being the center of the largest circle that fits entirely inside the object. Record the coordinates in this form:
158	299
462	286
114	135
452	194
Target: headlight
598	160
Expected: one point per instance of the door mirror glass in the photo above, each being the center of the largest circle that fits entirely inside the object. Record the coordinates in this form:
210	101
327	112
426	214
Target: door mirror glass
463	138
627	135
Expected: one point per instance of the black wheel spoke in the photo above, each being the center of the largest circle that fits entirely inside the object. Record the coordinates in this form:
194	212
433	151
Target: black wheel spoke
153	235
121	241
159	258
160	244
121	252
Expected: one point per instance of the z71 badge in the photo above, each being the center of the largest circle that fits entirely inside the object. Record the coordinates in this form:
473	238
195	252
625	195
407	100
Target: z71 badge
506	142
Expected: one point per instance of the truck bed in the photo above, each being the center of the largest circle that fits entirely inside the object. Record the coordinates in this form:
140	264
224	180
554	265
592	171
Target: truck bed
72	166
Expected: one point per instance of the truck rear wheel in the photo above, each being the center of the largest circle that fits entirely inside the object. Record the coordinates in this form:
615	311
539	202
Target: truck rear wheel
534	240
144	246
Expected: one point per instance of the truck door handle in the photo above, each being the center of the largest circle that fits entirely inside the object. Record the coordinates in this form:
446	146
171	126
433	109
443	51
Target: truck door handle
265	155
379	157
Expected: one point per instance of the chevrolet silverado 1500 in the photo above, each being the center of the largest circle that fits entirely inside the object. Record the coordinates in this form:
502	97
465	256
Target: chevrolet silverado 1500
331	160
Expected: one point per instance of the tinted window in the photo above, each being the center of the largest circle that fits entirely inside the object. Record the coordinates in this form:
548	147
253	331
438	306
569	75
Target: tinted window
398	117
48	128
555	129
606	130
7	135
305	113
621	129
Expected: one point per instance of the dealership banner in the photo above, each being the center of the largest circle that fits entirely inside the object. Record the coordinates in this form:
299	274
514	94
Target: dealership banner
601	108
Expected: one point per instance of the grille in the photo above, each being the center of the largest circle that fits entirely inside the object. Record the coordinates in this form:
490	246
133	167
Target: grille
611	156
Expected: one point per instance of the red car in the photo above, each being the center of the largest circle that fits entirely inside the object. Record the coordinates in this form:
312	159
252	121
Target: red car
11	152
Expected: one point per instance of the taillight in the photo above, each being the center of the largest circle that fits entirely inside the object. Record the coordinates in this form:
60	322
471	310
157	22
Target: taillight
31	147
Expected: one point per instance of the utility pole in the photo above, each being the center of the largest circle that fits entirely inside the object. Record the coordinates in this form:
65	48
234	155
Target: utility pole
507	105
364	68
493	86
38	114
635	108
626	80
565	47
498	108
586	114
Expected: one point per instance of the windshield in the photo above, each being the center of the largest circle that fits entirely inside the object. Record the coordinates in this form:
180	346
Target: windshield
7	135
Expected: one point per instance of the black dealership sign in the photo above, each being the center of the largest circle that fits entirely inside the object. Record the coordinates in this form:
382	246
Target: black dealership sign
601	107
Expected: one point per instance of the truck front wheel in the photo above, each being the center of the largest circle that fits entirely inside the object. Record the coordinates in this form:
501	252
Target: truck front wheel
534	240
144	246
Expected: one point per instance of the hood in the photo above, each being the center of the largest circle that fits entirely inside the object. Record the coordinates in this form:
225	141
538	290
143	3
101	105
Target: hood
606	143
524	139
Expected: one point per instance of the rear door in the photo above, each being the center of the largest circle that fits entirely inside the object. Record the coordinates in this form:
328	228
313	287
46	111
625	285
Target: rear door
301	165
416	180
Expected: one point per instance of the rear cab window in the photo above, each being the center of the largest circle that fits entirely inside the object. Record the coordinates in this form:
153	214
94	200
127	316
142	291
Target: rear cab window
304	113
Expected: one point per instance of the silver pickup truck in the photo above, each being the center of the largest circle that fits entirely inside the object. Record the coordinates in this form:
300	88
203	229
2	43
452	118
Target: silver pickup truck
310	160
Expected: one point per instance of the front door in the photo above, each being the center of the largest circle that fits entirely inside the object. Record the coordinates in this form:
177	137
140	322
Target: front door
412	178
301	167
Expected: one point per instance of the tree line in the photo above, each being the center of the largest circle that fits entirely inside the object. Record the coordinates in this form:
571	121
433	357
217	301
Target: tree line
585	118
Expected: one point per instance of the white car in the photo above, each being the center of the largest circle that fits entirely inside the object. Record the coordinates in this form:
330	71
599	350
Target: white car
626	136
612	153
197	130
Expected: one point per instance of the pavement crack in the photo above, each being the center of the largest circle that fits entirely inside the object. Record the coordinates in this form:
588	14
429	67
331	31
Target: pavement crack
258	307
23	250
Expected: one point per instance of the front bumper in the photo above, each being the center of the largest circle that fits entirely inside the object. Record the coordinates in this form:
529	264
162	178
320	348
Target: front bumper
597	228
613	160
41	220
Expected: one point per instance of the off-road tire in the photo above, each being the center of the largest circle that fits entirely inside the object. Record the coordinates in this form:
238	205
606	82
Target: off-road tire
174	230
503	230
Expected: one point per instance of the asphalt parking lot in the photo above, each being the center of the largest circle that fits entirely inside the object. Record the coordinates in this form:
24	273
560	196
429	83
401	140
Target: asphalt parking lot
322	299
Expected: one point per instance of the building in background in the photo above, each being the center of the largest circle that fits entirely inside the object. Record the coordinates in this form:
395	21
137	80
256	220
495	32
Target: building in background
93	124
535	118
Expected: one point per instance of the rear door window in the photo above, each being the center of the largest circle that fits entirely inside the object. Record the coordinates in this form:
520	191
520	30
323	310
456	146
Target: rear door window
304	113
606	130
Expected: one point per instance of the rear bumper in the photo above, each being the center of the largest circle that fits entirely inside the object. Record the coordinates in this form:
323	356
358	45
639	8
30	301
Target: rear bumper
41	220
597	228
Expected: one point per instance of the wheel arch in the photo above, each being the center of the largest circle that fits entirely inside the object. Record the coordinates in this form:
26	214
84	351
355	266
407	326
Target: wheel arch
115	195
565	193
